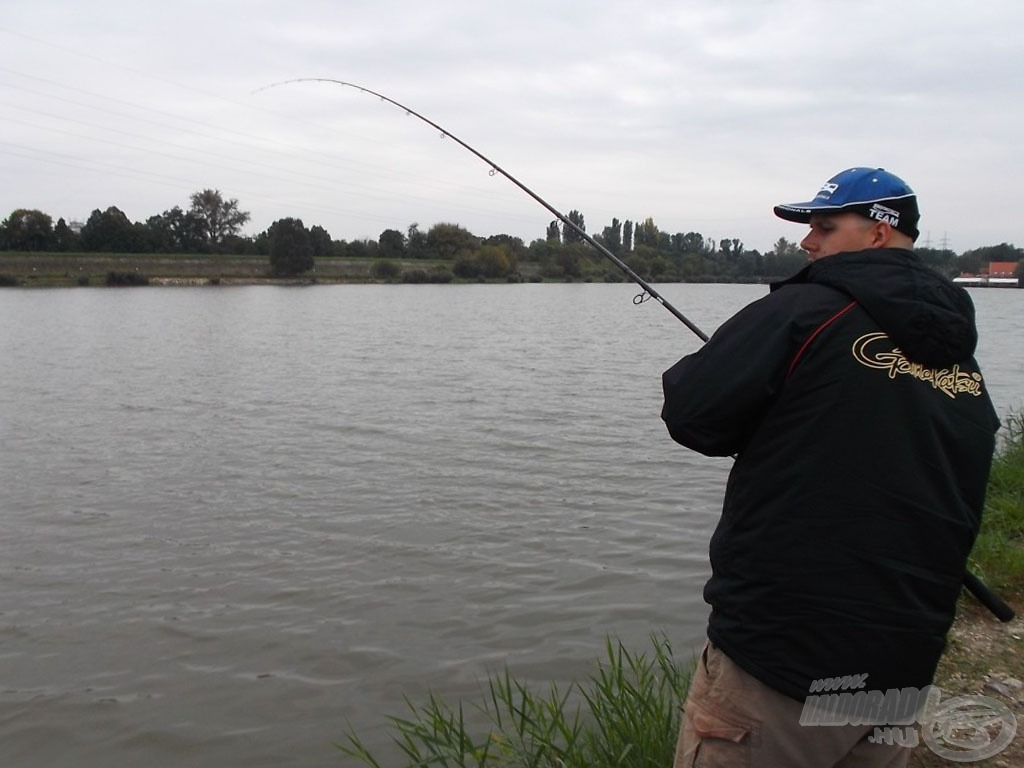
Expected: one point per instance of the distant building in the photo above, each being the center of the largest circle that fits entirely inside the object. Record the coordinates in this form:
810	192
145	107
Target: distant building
995	274
1000	269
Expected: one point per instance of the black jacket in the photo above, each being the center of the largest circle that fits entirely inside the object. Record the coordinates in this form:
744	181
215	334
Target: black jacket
864	434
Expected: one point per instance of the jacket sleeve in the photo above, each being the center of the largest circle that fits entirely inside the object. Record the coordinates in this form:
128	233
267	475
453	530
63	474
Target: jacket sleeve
715	398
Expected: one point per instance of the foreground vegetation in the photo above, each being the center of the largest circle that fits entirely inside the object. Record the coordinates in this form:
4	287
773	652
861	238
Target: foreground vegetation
998	554
983	655
627	714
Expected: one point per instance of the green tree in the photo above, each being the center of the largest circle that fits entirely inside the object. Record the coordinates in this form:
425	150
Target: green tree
391	244
611	236
320	241
692	265
362	249
570	234
969	263
784	259
941	260
554	233
110	231
658	267
730	257
176	231
627	236
691	242
973	261
1001	252
28	230
646	233
416	243
495	261
291	249
515	245
219	217
447	241
564	260
541	250
65	239
237	244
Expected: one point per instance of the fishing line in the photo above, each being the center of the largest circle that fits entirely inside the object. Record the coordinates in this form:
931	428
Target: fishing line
649	291
974	585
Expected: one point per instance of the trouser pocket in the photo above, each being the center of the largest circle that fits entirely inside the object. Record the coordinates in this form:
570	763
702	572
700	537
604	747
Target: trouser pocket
714	739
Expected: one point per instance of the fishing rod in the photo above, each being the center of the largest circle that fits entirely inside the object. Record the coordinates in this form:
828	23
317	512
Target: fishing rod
974	585
649	291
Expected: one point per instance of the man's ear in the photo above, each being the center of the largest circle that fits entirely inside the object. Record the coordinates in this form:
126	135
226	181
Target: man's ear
881	235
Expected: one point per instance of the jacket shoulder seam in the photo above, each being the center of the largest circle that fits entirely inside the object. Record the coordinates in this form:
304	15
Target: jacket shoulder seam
814	334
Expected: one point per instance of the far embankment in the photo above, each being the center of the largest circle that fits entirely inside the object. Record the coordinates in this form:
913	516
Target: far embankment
84	269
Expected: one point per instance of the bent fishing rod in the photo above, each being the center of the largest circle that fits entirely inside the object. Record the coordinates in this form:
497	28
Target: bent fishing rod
649	291
974	585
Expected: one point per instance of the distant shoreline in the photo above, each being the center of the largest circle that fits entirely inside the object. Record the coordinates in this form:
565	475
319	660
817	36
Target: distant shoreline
55	269
51	270
93	269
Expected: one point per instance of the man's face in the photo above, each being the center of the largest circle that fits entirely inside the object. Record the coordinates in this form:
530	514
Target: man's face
833	233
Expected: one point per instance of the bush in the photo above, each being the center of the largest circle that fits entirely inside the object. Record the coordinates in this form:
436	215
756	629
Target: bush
466	267
415	276
126	279
385	270
8	281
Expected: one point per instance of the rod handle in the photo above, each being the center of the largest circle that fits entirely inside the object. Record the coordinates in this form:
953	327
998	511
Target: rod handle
987	597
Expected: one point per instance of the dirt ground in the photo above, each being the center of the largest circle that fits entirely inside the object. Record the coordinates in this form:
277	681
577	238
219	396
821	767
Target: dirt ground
985	657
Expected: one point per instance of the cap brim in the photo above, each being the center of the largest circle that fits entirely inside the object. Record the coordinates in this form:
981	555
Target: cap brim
801	212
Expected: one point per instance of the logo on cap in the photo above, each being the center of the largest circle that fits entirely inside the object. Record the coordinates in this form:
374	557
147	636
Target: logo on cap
879	212
827	189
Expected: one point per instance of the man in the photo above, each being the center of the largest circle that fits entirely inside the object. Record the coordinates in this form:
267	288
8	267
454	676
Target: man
863	436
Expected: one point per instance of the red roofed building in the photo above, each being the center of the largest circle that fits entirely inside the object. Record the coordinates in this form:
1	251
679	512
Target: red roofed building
1000	269
995	273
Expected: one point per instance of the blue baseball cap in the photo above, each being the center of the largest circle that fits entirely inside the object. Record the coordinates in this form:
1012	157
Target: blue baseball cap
871	192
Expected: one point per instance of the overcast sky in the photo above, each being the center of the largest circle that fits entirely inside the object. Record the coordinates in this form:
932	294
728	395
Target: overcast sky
700	115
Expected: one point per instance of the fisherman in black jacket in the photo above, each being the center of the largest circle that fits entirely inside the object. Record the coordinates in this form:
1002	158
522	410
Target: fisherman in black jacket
863	435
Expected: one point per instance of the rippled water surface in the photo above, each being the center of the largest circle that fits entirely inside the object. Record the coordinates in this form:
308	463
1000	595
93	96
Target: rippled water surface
238	521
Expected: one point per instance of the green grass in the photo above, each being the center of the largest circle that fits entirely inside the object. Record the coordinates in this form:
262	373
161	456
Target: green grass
626	715
35	269
998	554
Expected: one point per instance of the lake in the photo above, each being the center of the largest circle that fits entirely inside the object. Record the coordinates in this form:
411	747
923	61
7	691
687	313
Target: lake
239	521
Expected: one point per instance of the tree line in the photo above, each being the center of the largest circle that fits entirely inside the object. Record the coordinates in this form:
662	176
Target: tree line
212	224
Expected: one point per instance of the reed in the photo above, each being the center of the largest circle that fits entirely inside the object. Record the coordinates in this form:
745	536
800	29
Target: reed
998	554
626	715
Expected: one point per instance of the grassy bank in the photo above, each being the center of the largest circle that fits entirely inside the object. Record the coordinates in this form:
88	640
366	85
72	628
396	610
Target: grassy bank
627	713
985	656
998	555
92	269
